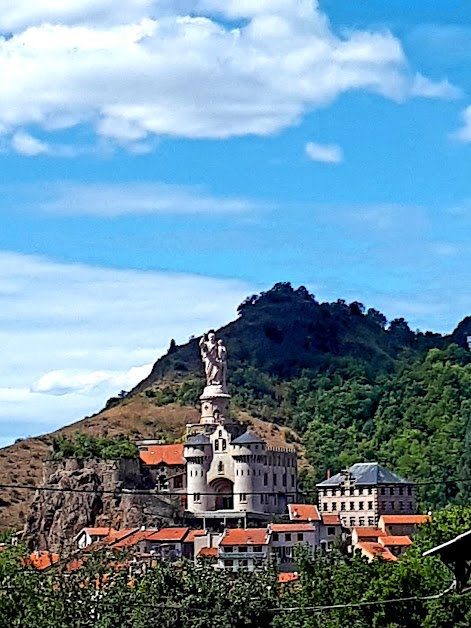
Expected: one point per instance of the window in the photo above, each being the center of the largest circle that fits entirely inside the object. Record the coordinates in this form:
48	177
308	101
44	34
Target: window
300	536
220	467
371	521
224	444
243	497
401	490
265	479
220	433
361	521
411	506
383	505
242	549
334	506
352	522
370	490
243	563
324	507
391	505
228	548
330	530
361	506
178	482
343	506
258	549
284	479
370	505
383	491
196	497
401	505
287	537
293	481
342	491
275	537
275	479
360	491
216	445
391	490
409	490
352	505
228	563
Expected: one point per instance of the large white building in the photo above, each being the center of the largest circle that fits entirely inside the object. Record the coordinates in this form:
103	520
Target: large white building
229	470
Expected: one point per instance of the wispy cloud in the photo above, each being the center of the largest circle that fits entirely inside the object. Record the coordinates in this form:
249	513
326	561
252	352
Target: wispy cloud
463	134
109	200
325	153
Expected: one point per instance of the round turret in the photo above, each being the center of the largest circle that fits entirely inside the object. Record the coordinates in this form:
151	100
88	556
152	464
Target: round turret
248	452
198	455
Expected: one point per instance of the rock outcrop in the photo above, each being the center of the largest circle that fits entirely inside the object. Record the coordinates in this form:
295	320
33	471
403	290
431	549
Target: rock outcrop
95	493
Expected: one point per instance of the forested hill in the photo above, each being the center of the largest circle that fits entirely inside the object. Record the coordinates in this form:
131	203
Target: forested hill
352	385
283	331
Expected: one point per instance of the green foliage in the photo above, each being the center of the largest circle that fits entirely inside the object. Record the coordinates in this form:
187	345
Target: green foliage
114	590
84	446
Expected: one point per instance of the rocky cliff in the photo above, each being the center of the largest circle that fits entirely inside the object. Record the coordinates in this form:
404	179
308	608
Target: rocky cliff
89	493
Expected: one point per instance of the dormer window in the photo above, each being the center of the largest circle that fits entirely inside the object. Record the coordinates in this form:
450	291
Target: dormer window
220	467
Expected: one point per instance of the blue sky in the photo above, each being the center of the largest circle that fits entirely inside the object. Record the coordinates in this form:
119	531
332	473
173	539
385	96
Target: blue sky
162	160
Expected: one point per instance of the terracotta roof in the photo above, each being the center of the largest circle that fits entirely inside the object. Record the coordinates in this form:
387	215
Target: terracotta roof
331	520
42	560
192	534
248	536
405	519
303	512
208	551
365	532
133	539
292	527
287	577
170	455
169	534
395	540
98	531
373	550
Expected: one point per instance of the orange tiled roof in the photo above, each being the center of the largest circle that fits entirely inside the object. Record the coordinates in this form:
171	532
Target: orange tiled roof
208	551
133	539
406	519
292	527
365	532
42	560
331	520
248	536
373	550
192	534
287	577
99	531
169	534
395	540
171	455
303	512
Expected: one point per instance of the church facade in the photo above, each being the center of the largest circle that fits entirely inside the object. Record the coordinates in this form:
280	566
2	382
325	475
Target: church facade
229	470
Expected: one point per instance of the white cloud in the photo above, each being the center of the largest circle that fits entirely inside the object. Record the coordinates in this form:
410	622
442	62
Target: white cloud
74	335
463	134
25	144
116	199
326	153
138	70
444	90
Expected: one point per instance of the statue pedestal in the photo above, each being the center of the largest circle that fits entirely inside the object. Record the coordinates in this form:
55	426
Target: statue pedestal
215	405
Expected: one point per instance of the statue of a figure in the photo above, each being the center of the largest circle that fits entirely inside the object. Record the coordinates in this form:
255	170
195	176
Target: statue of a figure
214	356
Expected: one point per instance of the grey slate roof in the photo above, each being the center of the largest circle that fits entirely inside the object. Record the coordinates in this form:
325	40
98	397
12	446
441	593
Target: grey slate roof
247	438
370	473
199	439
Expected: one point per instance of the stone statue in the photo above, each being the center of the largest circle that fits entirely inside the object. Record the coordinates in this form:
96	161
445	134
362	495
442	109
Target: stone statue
214	356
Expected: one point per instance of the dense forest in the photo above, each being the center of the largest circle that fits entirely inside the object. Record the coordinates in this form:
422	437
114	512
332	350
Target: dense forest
351	384
107	590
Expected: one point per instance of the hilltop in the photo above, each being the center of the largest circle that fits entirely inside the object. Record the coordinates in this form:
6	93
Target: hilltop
340	382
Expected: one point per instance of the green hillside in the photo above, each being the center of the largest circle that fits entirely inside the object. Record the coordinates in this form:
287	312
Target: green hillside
352	385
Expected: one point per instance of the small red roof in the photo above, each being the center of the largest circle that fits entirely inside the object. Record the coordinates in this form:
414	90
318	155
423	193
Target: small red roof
405	519
169	534
248	536
366	532
331	520
303	512
208	551
395	541
292	527
42	560
99	531
170	455
373	550
193	534
283	578
133	539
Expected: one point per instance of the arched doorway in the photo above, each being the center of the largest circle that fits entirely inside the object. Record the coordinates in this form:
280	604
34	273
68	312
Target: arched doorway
224	494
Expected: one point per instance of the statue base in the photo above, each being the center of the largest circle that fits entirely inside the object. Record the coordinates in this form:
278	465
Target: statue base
215	405
215	390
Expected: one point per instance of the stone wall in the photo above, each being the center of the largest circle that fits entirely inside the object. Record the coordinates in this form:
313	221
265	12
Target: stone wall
57	516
